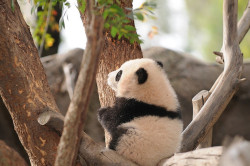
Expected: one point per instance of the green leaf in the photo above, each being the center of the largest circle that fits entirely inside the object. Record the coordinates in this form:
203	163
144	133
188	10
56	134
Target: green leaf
106	25
114	31
129	27
105	14
139	16
120	36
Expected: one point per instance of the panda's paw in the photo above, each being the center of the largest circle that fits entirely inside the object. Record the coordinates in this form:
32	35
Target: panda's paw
101	113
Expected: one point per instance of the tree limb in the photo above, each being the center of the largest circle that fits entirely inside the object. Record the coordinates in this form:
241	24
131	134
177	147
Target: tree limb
76	114
227	86
244	23
94	153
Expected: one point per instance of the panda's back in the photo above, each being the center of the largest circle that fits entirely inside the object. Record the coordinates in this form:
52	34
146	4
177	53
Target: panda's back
150	139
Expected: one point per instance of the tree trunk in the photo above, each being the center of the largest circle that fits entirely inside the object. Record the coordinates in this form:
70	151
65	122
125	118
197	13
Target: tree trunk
115	53
23	86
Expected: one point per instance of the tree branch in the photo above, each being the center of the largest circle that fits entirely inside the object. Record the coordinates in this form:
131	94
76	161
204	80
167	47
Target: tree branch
227	86
94	153
76	114
244	23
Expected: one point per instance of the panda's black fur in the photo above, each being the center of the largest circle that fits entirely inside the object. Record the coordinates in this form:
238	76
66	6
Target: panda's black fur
125	110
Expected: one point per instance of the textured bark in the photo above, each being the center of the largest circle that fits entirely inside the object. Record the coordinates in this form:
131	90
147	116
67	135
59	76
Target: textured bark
23	86
9	156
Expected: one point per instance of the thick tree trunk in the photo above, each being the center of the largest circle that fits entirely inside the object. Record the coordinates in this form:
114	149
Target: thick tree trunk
115	53
23	86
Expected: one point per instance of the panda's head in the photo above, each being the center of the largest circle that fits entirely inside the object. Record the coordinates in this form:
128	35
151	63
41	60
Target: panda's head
144	80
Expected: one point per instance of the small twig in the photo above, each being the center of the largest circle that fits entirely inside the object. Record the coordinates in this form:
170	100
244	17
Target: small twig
46	28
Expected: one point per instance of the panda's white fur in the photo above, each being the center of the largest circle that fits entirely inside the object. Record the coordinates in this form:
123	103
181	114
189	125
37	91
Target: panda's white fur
147	139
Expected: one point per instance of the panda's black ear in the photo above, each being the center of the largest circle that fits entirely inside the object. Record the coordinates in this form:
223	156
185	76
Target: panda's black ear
159	63
142	75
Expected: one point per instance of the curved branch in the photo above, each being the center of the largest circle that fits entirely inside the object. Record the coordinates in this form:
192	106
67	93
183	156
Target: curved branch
244	23
227	85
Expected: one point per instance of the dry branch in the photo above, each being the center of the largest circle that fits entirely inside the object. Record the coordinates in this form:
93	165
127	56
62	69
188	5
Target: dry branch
94	153
244	23
76	114
198	101
227	85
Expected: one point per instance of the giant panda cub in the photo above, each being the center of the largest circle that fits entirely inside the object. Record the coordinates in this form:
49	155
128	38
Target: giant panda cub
144	123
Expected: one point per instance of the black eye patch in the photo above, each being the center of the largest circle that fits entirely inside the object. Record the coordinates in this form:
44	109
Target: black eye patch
118	76
142	75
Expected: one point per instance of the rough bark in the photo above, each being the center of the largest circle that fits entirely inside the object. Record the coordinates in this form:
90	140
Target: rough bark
9	156
227	85
23	86
76	114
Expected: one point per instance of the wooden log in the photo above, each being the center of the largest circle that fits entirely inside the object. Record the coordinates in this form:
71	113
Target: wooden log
206	156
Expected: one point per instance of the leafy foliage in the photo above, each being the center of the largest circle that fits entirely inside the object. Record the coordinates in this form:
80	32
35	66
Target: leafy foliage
43	12
116	19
